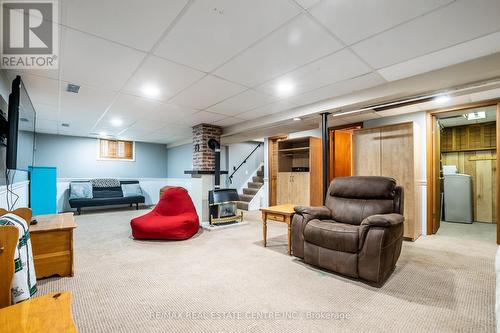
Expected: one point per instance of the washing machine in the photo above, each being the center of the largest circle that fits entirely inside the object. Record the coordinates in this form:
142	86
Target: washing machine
458	198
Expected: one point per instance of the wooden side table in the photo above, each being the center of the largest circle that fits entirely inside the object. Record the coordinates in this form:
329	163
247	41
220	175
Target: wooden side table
281	213
49	313
52	243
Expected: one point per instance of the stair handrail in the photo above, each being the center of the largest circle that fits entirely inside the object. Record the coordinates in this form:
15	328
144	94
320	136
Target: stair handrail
230	178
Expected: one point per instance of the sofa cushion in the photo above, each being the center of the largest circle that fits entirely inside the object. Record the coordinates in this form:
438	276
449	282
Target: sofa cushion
131	190
96	202
333	235
81	190
108	192
105	182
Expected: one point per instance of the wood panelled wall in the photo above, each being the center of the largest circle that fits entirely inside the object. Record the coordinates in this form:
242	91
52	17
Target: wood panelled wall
481	166
392	151
469	137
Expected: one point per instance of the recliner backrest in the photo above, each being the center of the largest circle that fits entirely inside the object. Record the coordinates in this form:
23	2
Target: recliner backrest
352	199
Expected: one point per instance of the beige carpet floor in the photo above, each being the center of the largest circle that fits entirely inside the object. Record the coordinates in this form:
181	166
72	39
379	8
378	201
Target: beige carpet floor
226	281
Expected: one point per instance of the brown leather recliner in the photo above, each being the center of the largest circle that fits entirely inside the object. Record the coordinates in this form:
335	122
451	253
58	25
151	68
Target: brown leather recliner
359	231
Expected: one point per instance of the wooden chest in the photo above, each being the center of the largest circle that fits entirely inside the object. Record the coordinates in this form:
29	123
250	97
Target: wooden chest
52	243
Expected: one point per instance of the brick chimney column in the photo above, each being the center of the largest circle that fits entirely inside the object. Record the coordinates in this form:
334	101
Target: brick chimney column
203	156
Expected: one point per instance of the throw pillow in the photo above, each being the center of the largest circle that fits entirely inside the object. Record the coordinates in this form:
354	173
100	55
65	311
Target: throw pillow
131	190
80	190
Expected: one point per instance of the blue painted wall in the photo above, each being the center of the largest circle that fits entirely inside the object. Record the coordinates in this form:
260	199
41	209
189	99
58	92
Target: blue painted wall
179	159
76	157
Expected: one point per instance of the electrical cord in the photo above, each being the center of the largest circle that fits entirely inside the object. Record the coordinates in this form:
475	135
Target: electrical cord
11	197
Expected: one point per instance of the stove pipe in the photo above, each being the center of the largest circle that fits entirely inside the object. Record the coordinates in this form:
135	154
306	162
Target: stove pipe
215	146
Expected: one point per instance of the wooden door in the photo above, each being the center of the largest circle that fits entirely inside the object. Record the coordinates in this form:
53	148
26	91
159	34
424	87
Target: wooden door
366	159
397	161
283	188
300	188
342	154
273	168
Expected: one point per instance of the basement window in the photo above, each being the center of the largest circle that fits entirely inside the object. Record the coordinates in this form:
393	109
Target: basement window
116	150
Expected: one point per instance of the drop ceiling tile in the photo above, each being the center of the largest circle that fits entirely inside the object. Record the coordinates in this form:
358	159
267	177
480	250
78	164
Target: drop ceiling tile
459	22
89	102
211	32
146	126
229	121
169	113
307	3
206	92
330	69
293	45
46	126
353	21
47	112
132	107
475	48
339	89
267	110
168	77
202	117
87	60
135	23
41	90
247	100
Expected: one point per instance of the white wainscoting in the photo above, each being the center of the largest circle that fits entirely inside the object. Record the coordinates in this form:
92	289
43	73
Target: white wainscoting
21	189
150	188
422	193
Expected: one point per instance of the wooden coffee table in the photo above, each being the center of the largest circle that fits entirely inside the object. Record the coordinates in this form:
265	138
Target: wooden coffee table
280	213
52	243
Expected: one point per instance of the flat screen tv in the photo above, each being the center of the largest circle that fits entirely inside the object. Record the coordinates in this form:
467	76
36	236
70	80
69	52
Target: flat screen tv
20	128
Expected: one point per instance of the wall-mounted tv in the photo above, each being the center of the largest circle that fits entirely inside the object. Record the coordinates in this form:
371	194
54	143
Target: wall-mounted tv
19	128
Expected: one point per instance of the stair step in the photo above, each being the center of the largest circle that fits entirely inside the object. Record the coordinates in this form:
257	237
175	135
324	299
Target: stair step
260	173
246	197
254	185
251	191
257	179
242	205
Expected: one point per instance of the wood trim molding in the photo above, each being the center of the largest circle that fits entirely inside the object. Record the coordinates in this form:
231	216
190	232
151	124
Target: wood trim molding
497	175
430	174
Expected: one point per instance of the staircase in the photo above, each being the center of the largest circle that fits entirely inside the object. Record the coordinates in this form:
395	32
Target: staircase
251	189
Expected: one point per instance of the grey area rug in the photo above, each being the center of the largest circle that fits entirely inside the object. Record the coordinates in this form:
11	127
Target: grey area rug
226	281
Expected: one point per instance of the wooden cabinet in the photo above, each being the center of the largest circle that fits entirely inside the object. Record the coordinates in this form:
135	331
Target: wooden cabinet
299	180
392	151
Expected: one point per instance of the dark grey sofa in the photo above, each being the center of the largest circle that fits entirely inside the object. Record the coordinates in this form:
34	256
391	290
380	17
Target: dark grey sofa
106	196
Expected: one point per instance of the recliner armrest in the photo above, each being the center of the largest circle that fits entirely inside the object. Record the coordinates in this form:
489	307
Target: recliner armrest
383	220
318	212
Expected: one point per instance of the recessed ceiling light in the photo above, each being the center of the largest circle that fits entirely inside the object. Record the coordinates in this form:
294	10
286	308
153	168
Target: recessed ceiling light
441	99
284	88
475	115
116	122
150	90
297	119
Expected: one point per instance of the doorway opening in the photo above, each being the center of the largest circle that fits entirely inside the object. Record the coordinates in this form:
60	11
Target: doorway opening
462	171
340	150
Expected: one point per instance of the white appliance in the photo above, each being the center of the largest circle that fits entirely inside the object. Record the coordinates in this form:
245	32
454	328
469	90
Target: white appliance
458	198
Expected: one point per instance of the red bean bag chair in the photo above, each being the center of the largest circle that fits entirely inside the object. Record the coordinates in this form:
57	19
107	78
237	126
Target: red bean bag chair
174	217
